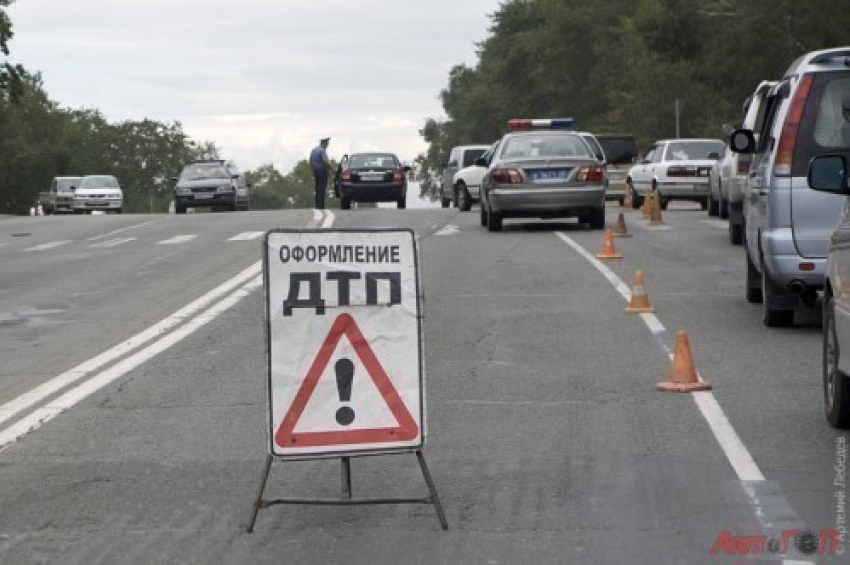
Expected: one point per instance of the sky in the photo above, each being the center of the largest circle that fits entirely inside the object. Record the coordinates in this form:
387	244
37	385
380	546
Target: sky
262	79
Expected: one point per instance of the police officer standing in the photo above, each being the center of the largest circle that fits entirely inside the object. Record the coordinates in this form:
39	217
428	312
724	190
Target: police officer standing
321	166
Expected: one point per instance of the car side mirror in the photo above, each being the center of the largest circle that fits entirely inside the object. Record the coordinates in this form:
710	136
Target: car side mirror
828	173
714	155
742	141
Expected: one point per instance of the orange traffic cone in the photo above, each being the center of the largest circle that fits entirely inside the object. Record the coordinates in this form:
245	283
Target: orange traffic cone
608	251
682	376
655	217
639	302
628	199
646	209
620	229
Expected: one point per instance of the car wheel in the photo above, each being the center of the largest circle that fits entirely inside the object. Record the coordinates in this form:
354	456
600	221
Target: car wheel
178	209
724	208
597	218
753	291
118	211
662	202
713	205
464	201
703	204
773	317
401	203
637	199
444	202
736	233
482	214
345	202
835	386
494	221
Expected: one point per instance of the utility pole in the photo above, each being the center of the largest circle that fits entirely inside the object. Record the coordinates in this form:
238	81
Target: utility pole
678	107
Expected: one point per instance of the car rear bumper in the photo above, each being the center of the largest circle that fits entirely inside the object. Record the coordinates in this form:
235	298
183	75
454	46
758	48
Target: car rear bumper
373	193
531	200
689	189
194	201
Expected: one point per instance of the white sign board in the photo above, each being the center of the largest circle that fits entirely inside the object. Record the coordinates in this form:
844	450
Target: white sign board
344	342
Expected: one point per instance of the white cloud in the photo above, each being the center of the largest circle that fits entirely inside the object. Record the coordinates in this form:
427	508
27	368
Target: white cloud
263	79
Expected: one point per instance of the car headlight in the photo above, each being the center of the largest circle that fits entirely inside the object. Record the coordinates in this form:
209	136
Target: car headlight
184	192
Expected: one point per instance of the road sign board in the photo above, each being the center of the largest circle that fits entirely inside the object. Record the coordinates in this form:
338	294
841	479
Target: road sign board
344	342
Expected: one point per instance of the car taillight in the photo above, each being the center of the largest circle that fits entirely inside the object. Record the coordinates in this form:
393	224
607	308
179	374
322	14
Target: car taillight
743	163
398	175
788	138
506	176
590	173
346	175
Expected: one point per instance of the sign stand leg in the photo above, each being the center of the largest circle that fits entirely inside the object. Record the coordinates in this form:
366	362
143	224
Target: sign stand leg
346	498
258	502
435	498
346	478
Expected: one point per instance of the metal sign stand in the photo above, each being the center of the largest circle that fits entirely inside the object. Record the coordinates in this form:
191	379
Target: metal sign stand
346	498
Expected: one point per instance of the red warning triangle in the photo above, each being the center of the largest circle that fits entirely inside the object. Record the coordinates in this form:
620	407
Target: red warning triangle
406	430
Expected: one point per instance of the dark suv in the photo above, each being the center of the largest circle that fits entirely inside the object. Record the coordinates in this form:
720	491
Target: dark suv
215	184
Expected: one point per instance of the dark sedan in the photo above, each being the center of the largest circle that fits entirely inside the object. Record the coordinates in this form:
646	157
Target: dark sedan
371	177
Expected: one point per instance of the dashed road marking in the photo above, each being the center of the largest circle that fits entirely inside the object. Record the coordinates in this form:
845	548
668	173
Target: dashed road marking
49	245
177	239
246	236
114	242
449	229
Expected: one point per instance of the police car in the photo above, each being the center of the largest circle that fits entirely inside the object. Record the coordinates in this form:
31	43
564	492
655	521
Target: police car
542	169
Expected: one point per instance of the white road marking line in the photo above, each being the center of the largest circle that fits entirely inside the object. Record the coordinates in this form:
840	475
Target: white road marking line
734	449
59	382
43	415
448	229
329	219
246	236
49	245
113	242
113	232
177	239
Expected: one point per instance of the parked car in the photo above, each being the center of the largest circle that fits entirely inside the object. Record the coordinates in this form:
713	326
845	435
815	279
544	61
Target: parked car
621	152
60	197
755	111
214	184
371	177
828	173
98	192
719	178
787	226
467	183
677	168
542	170
460	157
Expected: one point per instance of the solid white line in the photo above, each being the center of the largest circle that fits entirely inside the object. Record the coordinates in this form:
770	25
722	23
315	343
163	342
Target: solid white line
734	449
247	236
49	245
39	417
59	382
113	232
177	239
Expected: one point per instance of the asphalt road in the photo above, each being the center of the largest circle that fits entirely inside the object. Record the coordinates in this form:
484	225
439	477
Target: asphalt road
547	440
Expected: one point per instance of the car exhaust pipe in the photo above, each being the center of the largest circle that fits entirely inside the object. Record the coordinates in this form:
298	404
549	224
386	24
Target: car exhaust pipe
797	287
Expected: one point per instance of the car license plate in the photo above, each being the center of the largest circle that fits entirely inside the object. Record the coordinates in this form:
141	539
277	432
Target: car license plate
548	174
203	195
372	178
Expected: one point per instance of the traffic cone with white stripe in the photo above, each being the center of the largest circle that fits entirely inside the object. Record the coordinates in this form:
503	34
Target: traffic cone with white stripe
620	227
639	301
682	376
608	250
628	199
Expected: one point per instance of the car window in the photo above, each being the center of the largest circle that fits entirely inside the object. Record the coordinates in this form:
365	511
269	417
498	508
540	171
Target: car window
825	125
545	145
772	105
692	150
201	171
650	155
64	185
619	150
377	160
470	155
98	181
595	147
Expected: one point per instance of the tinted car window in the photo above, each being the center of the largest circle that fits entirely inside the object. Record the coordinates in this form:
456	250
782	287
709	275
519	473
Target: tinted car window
619	150
63	185
470	155
824	127
200	171
99	182
381	160
543	145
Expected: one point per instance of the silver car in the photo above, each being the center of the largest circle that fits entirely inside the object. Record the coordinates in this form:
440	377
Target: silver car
828	173
787	226
541	170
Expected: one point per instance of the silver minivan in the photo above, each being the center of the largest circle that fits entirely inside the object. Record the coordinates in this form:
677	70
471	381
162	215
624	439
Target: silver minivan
788	226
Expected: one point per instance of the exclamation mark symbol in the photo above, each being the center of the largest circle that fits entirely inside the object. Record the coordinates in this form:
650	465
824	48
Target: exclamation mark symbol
344	379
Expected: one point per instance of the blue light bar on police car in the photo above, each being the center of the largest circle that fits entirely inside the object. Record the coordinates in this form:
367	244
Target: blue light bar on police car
545	123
